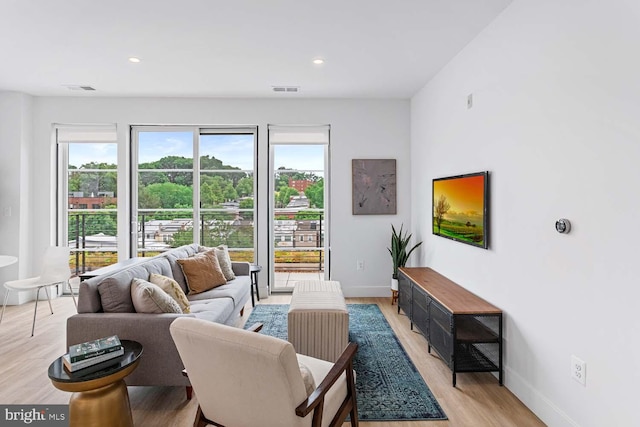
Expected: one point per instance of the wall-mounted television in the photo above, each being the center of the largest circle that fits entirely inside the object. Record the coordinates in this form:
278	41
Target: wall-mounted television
461	208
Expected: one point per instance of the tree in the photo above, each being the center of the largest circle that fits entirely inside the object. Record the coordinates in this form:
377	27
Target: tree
284	196
246	203
441	208
245	187
229	193
315	194
171	195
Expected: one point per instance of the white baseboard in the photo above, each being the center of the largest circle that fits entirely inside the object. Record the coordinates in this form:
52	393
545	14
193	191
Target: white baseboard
539	404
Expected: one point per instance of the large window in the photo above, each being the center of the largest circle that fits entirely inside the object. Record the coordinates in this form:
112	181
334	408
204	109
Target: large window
87	194
171	208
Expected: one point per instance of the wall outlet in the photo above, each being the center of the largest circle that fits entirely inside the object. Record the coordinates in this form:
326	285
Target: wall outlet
359	265
579	370
6	211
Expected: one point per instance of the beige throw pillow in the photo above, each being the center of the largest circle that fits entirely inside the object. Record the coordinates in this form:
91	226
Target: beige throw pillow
307	378
202	272
222	253
149	298
172	288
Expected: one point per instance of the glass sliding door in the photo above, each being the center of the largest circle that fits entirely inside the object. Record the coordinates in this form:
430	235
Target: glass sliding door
299	159
164	198
181	201
87	196
227	197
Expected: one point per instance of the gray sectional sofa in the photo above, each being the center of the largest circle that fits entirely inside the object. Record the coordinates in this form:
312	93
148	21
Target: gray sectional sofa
160	364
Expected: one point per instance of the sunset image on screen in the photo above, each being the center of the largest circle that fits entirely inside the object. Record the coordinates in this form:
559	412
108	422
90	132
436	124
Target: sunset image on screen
458	208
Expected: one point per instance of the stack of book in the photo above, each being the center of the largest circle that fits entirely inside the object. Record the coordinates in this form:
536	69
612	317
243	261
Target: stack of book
93	353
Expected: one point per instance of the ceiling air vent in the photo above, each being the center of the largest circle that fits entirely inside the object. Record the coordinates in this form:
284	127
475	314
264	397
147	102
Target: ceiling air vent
79	87
286	89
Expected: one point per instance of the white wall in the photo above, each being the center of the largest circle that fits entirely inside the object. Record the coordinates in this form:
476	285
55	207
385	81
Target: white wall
556	120
15	148
359	129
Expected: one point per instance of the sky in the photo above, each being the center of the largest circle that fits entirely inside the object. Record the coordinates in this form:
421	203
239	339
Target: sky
234	150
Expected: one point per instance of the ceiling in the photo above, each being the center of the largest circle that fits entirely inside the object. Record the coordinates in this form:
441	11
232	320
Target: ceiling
235	48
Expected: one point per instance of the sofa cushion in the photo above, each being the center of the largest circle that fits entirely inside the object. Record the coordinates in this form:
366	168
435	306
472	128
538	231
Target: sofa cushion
115	296
202	272
173	256
222	253
150	298
172	288
235	289
216	310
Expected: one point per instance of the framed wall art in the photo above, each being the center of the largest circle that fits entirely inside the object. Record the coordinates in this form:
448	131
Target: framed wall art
374	186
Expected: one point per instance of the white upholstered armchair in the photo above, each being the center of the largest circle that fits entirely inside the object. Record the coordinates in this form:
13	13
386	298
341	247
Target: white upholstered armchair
243	378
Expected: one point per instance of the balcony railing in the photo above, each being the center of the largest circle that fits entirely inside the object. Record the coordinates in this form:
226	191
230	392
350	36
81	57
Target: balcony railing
93	240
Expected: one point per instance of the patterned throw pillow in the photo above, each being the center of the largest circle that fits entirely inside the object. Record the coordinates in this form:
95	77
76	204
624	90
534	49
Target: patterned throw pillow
172	288
222	252
307	378
149	298
202	272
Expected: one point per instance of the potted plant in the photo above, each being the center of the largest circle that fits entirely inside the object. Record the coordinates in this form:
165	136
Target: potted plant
398	251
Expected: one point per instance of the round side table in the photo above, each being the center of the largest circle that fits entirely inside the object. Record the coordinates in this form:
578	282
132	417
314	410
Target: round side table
254	269
99	398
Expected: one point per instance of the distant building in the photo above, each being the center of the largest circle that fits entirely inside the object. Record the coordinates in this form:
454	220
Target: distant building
78	201
300	184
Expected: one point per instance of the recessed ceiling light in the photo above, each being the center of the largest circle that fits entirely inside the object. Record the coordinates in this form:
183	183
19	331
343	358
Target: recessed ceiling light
134	59
318	61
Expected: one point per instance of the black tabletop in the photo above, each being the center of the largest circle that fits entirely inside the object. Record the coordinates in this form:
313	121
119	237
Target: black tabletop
132	351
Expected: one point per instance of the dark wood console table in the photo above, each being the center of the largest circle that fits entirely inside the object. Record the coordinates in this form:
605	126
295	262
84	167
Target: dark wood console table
464	329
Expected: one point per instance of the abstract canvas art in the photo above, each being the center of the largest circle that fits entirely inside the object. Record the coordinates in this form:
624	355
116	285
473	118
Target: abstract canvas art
374	186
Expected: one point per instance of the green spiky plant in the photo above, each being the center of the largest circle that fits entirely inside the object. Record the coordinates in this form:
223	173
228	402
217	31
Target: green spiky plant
398	249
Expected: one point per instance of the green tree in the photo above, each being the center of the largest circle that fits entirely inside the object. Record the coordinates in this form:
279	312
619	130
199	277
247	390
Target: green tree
315	194
284	196
245	187
171	195
246	203
229	193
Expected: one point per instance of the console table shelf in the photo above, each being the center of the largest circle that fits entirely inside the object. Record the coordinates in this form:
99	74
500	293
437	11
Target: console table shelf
464	329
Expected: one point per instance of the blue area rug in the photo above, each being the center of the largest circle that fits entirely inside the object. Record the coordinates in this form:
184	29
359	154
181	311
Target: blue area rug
388	385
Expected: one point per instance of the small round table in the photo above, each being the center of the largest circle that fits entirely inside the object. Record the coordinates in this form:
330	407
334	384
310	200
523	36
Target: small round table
99	398
254	269
6	260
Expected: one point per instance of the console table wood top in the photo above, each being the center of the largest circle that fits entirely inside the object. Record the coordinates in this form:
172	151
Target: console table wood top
454	297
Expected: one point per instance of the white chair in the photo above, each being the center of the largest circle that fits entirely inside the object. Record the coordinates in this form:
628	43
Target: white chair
55	271
243	378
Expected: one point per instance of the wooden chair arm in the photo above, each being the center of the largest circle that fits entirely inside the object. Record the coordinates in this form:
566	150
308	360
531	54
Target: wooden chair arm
256	327
344	362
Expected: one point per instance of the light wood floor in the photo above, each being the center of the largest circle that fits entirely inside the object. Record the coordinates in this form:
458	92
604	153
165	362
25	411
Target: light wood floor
477	400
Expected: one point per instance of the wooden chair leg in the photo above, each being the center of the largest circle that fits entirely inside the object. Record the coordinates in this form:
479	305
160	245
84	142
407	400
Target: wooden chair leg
242	312
189	392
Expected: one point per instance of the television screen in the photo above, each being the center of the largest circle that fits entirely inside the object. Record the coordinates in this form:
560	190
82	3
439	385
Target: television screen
460	208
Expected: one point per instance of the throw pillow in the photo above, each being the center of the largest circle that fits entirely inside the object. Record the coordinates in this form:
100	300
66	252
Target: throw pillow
202	272
115	296
149	298
307	378
222	252
172	288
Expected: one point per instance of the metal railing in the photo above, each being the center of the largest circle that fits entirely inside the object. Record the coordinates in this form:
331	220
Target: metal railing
94	245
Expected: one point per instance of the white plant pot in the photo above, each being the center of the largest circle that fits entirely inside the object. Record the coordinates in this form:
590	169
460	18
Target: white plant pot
394	284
